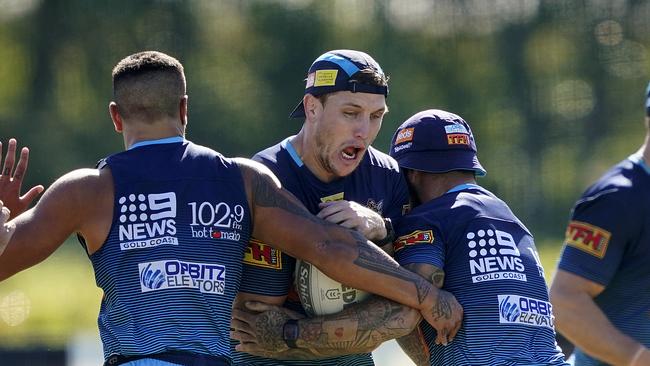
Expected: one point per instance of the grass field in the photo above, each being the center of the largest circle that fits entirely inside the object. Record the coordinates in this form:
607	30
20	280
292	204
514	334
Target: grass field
51	302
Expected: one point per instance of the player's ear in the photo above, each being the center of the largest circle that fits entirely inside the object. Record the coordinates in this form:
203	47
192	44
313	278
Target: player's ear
113	110
312	106
182	110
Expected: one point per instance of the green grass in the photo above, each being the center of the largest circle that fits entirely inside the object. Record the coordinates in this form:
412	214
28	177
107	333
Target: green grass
49	303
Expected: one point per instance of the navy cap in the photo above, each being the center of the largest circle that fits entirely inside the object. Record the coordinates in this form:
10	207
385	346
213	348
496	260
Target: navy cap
647	101
435	141
331	72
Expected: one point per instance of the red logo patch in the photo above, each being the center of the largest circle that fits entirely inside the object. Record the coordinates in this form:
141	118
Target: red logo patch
457	139
588	238
262	255
416	237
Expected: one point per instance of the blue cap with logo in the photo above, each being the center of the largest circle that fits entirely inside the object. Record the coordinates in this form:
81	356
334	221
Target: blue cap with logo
332	71
436	141
647	101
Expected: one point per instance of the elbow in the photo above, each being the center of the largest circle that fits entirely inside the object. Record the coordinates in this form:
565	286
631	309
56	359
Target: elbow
408	319
563	304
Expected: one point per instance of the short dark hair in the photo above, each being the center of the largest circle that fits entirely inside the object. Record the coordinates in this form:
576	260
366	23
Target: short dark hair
148	85
365	76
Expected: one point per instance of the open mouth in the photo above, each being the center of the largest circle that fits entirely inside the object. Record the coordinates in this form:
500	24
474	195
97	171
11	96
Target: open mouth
351	152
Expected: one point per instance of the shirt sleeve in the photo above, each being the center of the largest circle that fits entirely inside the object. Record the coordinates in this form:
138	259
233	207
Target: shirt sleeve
399	203
418	242
266	270
597	236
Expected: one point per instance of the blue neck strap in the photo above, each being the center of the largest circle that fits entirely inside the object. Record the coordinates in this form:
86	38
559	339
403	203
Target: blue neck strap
462	187
293	152
637	158
168	140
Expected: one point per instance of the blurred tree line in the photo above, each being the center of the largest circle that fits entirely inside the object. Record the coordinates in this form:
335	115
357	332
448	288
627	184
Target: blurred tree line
552	88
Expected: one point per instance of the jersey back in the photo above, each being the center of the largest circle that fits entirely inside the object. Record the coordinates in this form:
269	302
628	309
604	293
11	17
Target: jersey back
171	265
492	267
608	242
376	183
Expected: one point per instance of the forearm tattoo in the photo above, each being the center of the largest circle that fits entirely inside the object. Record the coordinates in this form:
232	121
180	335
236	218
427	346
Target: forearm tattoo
375	261
415	347
269	329
267	194
442	308
359	328
438	277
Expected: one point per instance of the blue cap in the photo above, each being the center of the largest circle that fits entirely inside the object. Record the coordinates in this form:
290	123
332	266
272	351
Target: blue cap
332	71
435	141
647	101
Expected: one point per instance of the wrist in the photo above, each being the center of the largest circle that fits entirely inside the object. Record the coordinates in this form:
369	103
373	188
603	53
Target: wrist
637	355
290	333
390	234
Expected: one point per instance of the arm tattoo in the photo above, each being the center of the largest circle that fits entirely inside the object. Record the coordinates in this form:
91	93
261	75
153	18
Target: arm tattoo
359	328
269	328
375	261
442	309
267	194
415	347
438	277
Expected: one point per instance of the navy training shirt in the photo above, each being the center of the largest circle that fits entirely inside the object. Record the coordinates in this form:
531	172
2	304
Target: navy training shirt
171	265
376	183
608	242
492	268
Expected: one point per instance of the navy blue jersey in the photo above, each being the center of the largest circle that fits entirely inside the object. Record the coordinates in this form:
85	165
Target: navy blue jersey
608	242
492	267
376	183
171	265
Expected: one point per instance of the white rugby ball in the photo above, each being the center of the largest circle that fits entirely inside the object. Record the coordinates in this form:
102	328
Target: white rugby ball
321	295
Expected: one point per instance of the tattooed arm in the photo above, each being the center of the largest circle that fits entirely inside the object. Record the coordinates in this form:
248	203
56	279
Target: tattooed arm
414	344
359	328
342	254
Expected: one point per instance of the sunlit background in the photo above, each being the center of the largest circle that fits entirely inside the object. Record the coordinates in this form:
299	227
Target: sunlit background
553	90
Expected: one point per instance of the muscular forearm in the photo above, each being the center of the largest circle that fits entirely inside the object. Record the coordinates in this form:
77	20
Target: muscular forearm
359	328
579	319
366	267
415	347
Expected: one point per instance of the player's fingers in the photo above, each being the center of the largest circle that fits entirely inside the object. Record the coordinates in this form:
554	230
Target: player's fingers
259	306
4	215
21	167
32	194
243	316
441	338
240	326
330	209
452	333
344	216
10	158
248	347
242	336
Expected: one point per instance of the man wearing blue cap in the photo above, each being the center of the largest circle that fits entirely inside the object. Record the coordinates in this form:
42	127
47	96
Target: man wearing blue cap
331	167
601	292
166	224
488	256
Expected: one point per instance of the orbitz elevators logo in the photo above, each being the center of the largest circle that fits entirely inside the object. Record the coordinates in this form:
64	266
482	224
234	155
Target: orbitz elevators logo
167	274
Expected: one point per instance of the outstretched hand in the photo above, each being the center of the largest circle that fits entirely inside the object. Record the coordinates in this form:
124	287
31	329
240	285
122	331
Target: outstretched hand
11	180
259	330
445	315
6	228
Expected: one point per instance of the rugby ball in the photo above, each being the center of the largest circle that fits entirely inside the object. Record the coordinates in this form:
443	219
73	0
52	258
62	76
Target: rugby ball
321	295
